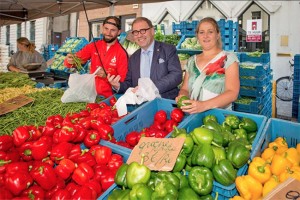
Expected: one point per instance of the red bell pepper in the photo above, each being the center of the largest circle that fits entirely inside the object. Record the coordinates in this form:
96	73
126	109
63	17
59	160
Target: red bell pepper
72	188
13	155
60	151
49	130
96	122
25	151
49	161
158	125
6	142
106	131
99	170
91	106
17	167
20	135
82	174
84	114
55	120
84	192
94	148
103	154
61	194
17	181
169	125
115	162
75	152
67	133
107	179
160	116
160	134
34	132
5	193
34	192
86	157
86	122
177	115
124	144
132	138
81	133
92	138
4	160
41	148
65	168
103	105
112	101
60	184
44	175
95	186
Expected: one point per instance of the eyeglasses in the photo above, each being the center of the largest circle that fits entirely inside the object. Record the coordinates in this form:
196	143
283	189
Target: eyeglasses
142	31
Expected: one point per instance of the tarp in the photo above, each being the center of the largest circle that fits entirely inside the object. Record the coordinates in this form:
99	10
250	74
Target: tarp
14	11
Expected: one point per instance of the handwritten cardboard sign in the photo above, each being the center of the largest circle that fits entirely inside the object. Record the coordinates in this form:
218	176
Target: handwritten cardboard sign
14	103
160	154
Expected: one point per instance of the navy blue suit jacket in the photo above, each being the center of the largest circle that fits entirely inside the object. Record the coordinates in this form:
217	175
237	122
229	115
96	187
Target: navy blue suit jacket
165	72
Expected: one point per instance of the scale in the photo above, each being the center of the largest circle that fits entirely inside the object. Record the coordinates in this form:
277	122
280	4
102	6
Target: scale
47	78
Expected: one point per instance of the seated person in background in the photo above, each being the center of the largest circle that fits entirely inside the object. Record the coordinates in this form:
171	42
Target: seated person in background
212	77
26	54
113	57
157	60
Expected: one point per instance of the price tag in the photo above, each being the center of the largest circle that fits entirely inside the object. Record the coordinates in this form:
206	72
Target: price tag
14	103
159	154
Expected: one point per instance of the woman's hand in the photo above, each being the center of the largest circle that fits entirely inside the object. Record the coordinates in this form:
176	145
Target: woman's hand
114	80
194	107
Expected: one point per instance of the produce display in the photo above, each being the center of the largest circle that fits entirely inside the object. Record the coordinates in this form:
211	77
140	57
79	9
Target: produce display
169	39
130	47
191	43
58	62
15	79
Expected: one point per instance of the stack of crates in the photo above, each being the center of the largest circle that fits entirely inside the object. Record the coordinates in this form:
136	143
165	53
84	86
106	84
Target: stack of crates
71	45
185	28
296	90
49	51
255	85
229	34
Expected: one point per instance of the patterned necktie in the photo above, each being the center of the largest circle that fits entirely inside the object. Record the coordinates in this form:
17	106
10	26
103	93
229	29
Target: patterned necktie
145	68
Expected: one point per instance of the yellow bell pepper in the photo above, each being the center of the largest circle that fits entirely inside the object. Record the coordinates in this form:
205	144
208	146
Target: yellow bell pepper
281	150
279	164
237	198
298	148
293	156
260	170
268	154
293	172
270	185
249	188
281	142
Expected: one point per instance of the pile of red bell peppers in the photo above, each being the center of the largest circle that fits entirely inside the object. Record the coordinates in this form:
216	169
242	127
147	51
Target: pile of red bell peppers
50	162
160	127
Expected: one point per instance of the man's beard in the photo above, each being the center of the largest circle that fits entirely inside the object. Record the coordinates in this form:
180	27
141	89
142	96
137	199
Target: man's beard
109	40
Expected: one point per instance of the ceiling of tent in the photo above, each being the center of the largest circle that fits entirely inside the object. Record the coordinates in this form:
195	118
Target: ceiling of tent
14	11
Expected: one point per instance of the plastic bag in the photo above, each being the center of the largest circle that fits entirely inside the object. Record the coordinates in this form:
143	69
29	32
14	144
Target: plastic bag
81	88
147	91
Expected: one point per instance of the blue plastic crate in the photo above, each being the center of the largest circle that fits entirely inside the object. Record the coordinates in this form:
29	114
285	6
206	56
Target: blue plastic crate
254	69
254	91
299	110
194	121
140	118
278	128
182	50
255	81
73	45
263	59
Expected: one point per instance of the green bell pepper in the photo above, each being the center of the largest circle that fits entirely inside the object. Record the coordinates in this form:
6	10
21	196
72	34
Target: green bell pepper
177	131
232	121
137	173
238	154
227	137
187	193
224	172
251	136
219	152
118	194
180	163
151	183
188	144
209	117
202	135
165	190
201	180
213	125
140	191
180	103
167	176
226	127
248	124
120	177
218	139
243	142
204	156
184	182
240	133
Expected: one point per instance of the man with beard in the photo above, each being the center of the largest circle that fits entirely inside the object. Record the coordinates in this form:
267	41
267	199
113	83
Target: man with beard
156	60
109	55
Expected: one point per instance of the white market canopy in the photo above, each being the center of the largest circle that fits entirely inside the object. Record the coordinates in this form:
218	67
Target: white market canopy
14	11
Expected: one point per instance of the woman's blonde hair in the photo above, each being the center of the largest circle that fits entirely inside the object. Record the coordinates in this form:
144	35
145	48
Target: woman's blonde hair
213	22
27	43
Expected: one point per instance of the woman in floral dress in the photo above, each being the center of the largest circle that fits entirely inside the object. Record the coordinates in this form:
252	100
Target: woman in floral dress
211	79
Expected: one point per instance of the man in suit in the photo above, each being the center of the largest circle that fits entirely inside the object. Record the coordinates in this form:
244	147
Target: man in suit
156	60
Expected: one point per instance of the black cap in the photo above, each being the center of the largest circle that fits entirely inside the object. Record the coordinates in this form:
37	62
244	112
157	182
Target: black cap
117	22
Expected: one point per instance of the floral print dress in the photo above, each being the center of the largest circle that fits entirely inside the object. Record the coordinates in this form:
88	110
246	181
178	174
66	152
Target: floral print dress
210	81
